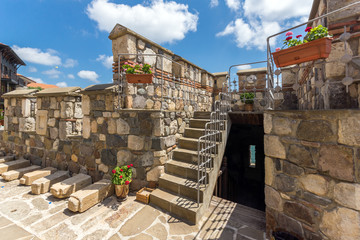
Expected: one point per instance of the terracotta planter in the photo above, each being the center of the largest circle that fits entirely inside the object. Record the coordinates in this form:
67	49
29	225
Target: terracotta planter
139	78
1	122
309	51
249	107
122	191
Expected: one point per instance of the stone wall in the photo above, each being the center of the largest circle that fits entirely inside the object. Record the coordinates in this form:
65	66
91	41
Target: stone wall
177	82
312	174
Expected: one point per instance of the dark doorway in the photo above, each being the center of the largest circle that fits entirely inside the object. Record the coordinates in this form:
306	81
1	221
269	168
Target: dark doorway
243	174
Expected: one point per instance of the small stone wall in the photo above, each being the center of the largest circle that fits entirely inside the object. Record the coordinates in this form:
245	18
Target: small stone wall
312	174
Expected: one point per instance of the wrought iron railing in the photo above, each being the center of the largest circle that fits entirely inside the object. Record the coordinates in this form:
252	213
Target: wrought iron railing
208	146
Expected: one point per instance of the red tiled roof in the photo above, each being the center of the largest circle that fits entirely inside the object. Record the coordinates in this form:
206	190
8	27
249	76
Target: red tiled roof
42	85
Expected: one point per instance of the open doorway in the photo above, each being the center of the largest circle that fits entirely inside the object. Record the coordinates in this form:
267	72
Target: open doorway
243	174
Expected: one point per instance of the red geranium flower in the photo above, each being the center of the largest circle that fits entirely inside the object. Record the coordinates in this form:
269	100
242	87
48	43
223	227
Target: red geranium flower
277	49
120	176
121	170
128	166
127	182
288	38
289	33
113	171
308	29
298	36
131	165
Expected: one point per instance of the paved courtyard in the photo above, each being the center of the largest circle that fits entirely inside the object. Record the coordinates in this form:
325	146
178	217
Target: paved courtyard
27	216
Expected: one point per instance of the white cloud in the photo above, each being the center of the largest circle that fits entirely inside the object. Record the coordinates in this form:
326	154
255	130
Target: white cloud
38	80
32	69
35	55
263	18
214	3
52	73
107	61
159	21
61	84
89	75
243	67
71	76
69	63
233	4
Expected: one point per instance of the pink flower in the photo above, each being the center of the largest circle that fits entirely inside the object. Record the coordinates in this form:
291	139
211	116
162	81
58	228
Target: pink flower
288	38
277	49
289	33
113	171
126	63
299	36
308	29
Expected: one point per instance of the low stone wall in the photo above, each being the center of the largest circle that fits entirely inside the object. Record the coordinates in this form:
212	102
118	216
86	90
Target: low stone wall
313	173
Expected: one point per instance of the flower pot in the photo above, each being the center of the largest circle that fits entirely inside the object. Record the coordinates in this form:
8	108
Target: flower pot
2	122
309	51
249	107
139	78
122	191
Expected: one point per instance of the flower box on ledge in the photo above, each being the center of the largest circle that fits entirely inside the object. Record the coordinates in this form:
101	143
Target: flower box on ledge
143	195
139	78
305	52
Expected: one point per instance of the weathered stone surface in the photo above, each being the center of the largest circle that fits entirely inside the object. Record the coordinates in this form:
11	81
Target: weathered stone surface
320	131
18	173
301	212
158	231
136	142
348	195
54	133
336	68
30	177
86	127
170	141
7	158
112	126
12	165
273	199
103	168
67	109
122	127
282	126
300	156
315	184
289	224
341	223
349	131
87	197
149	104
155	173
27	124
337	161
124	157
115	141
269	171
42	185
41	122
139	102
315	199
273	147
78	110
147	159
292	169
67	187
284	183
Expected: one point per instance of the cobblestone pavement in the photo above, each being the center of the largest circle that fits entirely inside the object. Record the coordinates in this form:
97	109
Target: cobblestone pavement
25	216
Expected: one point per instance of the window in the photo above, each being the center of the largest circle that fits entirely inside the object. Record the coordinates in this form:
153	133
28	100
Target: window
252	156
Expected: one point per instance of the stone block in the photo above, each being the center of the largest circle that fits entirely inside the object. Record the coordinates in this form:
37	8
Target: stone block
122	127
124	44
155	173
136	142
269	171
274	147
267	123
139	102
338	161
30	177
315	131
42	185
292	169
12	165
78	110
86	127
85	105
284	183
89	196
341	223
18	173
301	156
348	195
349	131
273	199
7	158
67	187
335	68
111	126
41	122
301	212
315	184
26	107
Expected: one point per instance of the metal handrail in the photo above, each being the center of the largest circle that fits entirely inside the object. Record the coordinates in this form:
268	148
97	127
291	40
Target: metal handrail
207	144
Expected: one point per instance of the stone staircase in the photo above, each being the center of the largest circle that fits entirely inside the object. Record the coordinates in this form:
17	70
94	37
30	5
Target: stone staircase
177	192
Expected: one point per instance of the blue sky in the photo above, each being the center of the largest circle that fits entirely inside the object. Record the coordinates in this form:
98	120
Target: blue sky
65	42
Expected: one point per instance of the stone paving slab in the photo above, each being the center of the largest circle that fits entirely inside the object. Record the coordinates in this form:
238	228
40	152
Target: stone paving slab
7	158
65	188
18	173
42	185
30	177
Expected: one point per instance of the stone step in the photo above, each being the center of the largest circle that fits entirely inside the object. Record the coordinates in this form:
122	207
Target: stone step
198	123
185	155
190	143
89	196
30	177
180	186
42	185
67	187
183	169
202	115
18	173
181	207
12	165
194	132
7	158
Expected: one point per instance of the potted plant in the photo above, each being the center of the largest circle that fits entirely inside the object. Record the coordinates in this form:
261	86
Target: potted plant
121	178
248	99
315	45
2	117
137	73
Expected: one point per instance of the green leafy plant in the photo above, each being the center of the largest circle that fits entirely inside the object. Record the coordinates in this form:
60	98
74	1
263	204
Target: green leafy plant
312	34
122	175
137	68
247	98
2	114
38	88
